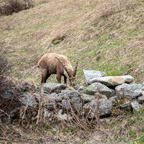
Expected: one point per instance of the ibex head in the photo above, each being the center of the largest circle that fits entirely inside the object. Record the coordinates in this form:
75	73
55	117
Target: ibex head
71	75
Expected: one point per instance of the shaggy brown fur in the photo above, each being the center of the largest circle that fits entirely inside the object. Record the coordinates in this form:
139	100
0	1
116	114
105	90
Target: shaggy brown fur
50	64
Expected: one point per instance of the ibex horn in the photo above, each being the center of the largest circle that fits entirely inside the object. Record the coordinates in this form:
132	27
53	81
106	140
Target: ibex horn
75	70
64	66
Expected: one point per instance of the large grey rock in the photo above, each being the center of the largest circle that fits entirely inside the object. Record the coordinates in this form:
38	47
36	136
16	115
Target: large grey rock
105	108
101	88
53	87
28	100
113	80
128	90
135	105
72	96
90	74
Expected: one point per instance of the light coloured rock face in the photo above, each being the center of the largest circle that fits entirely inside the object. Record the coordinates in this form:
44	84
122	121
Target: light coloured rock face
101	88
90	74
128	90
113	80
53	87
105	108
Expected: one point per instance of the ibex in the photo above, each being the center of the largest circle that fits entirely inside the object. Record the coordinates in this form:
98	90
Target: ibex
53	63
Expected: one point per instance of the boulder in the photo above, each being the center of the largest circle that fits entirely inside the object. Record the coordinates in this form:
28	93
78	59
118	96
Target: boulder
105	108
90	74
53	87
112	80
100	88
128	90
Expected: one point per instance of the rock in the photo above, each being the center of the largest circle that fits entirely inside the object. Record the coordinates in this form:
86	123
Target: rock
66	104
81	88
135	105
6	120
87	98
104	121
25	87
72	96
28	100
112	80
90	74
105	108
114	100
54	96
53	87
61	116
141	99
101	88
128	90
126	105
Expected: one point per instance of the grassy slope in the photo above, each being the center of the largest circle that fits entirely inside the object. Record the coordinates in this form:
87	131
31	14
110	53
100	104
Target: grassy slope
108	36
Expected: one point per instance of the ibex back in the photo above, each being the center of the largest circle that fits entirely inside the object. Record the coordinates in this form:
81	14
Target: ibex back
53	63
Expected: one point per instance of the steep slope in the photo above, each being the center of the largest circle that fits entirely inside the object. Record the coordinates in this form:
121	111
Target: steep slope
107	35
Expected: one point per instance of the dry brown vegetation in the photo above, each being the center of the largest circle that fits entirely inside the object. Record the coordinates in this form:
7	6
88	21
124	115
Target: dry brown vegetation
13	6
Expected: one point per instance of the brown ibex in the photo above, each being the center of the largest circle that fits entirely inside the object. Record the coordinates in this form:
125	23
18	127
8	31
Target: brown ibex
53	63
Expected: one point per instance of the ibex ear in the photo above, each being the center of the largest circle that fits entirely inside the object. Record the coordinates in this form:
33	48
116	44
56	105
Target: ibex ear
64	66
76	66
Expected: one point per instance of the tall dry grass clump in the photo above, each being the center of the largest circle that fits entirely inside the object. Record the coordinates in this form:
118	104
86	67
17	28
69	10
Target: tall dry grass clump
5	69
14	6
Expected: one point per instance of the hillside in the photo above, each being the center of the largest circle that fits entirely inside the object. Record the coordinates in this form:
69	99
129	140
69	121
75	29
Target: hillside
107	35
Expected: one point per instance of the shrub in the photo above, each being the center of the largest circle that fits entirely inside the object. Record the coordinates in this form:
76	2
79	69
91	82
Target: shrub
14	6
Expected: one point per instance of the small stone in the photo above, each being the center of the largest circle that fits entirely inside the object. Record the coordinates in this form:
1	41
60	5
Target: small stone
141	99
66	104
135	105
62	117
87	98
